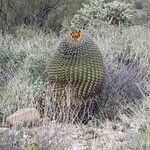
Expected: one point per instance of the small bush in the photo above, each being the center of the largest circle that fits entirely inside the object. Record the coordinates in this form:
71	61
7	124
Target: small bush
126	60
33	146
23	65
139	139
10	62
98	13
25	33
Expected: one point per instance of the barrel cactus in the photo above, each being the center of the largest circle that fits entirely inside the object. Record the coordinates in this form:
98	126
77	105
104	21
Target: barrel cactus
77	65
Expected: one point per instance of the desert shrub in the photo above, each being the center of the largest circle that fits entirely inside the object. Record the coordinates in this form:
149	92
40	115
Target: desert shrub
119	14
126	65
126	60
30	55
42	14
35	66
98	13
25	33
139	138
19	95
12	56
33	146
10	62
124	87
7	57
126	80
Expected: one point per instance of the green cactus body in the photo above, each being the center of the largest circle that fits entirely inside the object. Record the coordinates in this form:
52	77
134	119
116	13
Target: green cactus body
78	64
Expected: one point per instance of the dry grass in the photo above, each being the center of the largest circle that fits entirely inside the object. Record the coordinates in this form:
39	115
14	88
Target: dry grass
126	59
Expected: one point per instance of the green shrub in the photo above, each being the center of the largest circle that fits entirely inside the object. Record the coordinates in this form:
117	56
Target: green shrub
11	59
25	33
40	14
98	13
119	13
23	67
10	62
126	79
33	146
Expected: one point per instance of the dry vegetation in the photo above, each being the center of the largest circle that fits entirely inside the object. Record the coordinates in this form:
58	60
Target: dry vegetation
123	120
127	83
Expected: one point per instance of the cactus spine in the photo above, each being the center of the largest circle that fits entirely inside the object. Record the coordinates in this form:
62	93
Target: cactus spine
77	62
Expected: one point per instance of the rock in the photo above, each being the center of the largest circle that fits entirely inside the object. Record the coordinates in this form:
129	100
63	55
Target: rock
21	116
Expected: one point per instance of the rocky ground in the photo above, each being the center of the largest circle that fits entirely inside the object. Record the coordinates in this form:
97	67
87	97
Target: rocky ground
46	135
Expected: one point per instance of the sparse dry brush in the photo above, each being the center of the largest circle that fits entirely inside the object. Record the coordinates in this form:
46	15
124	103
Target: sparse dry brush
116	113
39	14
127	75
